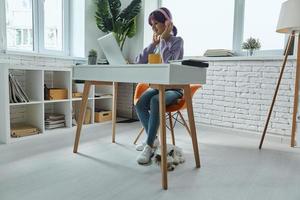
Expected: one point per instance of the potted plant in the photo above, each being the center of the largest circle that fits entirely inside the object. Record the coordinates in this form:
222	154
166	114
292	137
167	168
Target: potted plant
110	18
92	58
251	44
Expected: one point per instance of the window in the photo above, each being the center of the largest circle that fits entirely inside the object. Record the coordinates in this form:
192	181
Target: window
202	24
19	24
53	29
37	25
255	11
226	24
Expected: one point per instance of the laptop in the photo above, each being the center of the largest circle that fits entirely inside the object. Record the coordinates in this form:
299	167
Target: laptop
111	49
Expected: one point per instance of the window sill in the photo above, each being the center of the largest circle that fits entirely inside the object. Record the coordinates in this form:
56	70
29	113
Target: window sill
33	54
242	58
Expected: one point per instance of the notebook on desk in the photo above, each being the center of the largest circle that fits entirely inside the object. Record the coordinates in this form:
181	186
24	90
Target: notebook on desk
111	49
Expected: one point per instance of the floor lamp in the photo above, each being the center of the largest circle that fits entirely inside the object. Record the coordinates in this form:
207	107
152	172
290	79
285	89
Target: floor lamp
288	23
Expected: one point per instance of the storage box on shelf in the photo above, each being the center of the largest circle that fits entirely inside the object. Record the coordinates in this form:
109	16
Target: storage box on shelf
103	103
34	112
103	116
58	93
58	84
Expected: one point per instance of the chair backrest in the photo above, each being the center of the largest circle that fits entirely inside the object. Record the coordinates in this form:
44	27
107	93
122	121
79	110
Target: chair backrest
181	104
139	90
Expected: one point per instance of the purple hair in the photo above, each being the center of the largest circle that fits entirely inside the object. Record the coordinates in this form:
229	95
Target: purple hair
161	15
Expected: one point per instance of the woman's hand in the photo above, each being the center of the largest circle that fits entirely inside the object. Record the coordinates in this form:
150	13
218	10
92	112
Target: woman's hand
167	32
156	39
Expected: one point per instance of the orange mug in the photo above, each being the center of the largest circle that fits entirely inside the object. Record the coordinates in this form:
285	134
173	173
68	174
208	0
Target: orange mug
154	58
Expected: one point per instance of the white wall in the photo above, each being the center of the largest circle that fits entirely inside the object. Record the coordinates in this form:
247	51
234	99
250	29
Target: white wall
134	45
91	30
77	20
238	95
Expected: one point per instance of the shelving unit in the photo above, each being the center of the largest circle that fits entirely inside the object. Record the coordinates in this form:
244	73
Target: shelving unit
32	80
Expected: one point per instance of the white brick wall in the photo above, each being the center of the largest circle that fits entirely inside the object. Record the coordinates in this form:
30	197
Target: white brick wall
238	95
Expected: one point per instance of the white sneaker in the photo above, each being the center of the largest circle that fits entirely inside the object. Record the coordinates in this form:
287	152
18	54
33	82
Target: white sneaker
140	147
145	156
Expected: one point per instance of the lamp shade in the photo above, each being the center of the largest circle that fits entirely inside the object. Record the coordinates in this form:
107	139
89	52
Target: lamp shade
289	18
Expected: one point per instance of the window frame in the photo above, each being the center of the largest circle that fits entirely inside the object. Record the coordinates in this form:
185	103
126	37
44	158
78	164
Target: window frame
238	32
38	30
2	26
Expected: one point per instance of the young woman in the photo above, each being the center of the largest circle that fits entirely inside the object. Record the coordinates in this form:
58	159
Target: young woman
169	47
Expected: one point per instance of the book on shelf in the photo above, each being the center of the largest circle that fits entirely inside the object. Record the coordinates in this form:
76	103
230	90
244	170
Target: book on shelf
16	92
23	129
218	53
54	116
53	126
54	120
49	122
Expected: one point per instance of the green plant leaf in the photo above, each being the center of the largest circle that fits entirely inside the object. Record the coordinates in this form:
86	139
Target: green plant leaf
132	28
131	11
104	19
251	43
115	6
109	18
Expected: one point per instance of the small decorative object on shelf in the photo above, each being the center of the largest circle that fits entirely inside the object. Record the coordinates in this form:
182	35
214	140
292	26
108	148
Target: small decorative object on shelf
251	44
92	60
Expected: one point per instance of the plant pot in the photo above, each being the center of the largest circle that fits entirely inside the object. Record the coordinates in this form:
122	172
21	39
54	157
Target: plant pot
251	51
92	60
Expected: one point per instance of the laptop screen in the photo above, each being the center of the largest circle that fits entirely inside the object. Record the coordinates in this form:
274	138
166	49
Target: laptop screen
111	49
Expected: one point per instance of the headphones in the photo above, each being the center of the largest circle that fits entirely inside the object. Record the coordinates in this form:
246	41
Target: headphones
169	18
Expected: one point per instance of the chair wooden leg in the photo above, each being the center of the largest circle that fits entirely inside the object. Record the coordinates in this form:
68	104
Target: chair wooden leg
188	99
184	123
171	128
138	136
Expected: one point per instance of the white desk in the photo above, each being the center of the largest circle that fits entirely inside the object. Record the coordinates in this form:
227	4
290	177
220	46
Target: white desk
141	73
160	76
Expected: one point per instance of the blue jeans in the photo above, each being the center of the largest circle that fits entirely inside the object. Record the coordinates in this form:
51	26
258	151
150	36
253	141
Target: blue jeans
147	109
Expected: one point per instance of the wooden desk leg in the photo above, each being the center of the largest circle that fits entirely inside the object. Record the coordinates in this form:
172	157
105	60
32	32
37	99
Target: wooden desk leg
190	112
162	111
114	111
87	86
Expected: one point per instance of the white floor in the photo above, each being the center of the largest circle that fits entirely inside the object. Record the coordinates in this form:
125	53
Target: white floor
44	167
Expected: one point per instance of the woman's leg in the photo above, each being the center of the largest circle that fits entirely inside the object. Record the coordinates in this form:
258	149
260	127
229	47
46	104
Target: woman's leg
143	105
171	97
